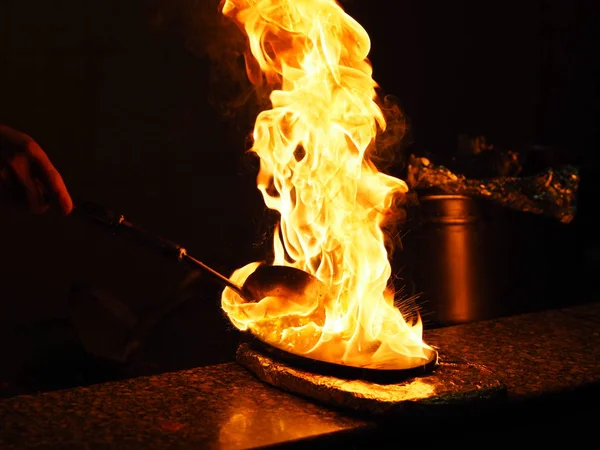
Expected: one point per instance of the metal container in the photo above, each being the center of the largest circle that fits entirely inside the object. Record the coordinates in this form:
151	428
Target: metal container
445	260
470	260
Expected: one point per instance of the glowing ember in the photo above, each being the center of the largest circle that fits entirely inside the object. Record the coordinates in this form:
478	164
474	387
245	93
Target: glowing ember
331	198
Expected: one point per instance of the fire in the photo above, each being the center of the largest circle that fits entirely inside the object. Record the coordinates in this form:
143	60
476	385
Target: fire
332	200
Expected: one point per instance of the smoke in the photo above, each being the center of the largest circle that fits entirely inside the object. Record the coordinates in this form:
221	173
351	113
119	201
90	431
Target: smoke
387	151
207	33
388	156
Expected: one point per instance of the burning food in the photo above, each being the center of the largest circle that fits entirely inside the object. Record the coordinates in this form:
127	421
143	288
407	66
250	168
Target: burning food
315	146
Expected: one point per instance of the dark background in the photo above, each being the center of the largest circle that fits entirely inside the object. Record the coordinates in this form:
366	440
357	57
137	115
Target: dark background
120	96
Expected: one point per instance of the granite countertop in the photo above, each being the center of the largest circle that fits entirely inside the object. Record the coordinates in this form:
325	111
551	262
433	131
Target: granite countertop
224	406
532	354
219	406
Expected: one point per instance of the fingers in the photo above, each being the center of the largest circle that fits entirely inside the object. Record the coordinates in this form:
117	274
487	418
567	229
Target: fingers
33	191
57	187
51	178
33	170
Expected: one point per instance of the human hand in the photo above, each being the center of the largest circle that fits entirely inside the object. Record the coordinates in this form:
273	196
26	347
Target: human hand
27	174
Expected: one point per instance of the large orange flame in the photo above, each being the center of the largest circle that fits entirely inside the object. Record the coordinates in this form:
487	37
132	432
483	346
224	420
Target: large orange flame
331	198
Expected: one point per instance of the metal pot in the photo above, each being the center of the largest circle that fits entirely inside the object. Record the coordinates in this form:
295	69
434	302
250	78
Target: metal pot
446	260
470	260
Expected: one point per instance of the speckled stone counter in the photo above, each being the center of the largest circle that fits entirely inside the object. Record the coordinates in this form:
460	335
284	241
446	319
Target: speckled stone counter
533	354
536	356
211	407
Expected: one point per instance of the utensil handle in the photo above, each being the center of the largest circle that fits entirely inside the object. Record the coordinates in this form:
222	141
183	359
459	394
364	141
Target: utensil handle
224	281
118	222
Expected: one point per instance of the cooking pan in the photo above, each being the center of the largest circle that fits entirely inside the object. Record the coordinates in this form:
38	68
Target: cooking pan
266	280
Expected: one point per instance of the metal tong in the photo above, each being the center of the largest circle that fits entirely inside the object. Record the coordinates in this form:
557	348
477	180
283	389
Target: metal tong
118	223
